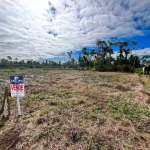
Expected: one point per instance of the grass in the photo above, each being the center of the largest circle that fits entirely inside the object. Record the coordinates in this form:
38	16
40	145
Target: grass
2	122
146	80
129	112
81	110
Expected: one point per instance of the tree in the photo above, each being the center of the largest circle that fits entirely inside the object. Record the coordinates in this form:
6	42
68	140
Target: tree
16	59
122	45
69	54
104	51
3	61
126	53
46	62
80	61
144	58
110	50
134	61
9	58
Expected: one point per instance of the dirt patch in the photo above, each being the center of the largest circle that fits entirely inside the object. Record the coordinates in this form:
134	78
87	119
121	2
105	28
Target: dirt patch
9	139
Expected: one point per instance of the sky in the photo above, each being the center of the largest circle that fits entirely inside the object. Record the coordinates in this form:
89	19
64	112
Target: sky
42	29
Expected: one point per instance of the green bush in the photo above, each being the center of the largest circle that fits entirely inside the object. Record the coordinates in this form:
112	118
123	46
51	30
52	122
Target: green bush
116	68
138	70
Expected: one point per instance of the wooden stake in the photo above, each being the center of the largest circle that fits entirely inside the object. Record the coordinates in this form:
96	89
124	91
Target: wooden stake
6	99
7	96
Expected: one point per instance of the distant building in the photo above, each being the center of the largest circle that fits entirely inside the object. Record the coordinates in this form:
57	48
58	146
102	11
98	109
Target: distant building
146	68
147	64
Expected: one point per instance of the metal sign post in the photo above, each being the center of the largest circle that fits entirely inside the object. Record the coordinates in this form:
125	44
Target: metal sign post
18	104
17	89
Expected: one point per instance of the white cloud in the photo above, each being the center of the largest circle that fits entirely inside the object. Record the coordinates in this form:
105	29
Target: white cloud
32	29
140	52
145	51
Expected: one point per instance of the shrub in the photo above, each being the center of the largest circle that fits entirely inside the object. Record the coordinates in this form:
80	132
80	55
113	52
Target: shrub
138	70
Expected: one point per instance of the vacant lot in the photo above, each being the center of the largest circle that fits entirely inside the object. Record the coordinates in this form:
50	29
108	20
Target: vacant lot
77	110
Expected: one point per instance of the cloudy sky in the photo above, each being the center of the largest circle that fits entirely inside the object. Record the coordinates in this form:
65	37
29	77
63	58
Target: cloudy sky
35	29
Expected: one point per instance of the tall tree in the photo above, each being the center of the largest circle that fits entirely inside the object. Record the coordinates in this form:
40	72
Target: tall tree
134	61
121	48
16	59
69	54
127	52
110	50
103	50
9	58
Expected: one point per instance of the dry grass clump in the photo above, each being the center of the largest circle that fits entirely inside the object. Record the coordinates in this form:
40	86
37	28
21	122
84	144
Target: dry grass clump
113	135
148	100
41	121
73	132
9	139
122	87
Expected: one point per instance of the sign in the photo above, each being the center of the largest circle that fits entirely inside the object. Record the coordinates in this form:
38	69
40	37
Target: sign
17	86
17	89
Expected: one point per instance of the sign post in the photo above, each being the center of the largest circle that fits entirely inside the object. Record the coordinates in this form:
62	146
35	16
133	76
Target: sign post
17	89
18	104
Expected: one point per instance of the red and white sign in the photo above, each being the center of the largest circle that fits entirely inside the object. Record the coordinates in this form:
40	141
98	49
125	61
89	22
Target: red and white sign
17	90
17	86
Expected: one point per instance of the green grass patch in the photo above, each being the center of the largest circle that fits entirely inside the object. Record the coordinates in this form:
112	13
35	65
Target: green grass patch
2	122
128	111
146	81
55	109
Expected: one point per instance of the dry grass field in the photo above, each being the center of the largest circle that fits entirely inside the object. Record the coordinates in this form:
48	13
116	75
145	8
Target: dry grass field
78	110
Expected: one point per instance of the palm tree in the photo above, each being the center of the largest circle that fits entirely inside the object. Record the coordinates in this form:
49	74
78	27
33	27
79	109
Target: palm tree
69	54
120	50
3	61
103	49
127	52
84	52
16	59
9	58
110	50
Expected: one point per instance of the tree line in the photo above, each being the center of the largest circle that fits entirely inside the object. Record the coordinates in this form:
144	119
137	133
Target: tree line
103	59
99	59
9	63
